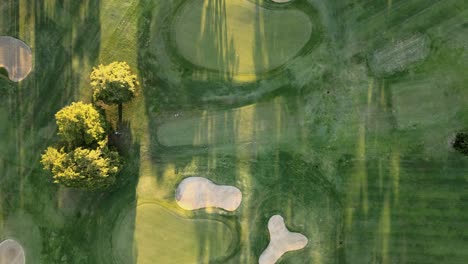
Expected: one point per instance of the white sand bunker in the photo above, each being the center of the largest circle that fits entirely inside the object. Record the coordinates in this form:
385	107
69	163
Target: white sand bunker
15	57
281	1
196	192
281	241
11	252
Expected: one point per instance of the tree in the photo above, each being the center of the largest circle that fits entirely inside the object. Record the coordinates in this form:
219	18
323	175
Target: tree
82	168
461	143
80	124
114	84
82	158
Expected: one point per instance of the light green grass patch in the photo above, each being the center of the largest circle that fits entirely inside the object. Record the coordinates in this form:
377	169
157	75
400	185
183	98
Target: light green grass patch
239	36
159	236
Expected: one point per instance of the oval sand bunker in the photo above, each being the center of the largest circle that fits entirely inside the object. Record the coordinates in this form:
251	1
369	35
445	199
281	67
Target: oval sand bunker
196	192
15	57
11	252
281	241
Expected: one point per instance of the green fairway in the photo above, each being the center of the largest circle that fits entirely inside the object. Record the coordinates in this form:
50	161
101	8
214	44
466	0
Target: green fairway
336	115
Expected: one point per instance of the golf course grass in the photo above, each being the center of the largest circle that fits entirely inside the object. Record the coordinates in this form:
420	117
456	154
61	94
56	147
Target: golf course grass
175	239
336	115
250	40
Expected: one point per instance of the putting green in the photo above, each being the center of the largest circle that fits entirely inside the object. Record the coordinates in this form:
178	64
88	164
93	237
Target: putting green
265	123
159	236
238	37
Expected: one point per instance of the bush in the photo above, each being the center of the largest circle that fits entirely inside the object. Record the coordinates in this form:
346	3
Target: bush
79	125
113	83
461	143
82	168
82	158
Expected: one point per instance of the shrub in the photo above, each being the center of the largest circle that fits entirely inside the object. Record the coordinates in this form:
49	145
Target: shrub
82	168
113	83
461	143
79	125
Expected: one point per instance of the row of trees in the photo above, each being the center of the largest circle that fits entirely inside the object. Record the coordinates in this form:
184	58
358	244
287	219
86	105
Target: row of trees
82	157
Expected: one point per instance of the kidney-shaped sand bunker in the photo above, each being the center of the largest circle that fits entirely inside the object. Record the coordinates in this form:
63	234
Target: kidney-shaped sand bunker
15	57
196	192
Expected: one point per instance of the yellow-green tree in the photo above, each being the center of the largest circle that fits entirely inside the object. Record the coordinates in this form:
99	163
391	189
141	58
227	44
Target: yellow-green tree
82	168
82	158
114	84
80	124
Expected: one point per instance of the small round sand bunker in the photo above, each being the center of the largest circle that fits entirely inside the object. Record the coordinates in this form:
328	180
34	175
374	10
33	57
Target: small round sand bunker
15	57
196	192
11	252
281	241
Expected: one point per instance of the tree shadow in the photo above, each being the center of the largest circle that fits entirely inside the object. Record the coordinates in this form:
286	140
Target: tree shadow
3	72
122	138
214	37
116	211
64	36
373	183
244	126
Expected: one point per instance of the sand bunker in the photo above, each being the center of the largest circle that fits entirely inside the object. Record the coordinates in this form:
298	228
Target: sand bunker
11	252
281	241
281	1
196	192
15	57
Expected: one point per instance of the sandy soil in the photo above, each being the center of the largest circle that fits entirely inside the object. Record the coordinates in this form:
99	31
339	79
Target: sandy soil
11	252
15	57
196	192
281	241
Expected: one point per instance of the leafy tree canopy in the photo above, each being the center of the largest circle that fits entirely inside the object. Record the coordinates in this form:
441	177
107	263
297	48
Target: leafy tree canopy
82	168
80	124
113	83
461	143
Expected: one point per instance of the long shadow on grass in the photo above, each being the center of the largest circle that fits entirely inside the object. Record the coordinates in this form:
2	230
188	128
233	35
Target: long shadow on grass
216	34
396	192
64	36
154	13
115	213
262	175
